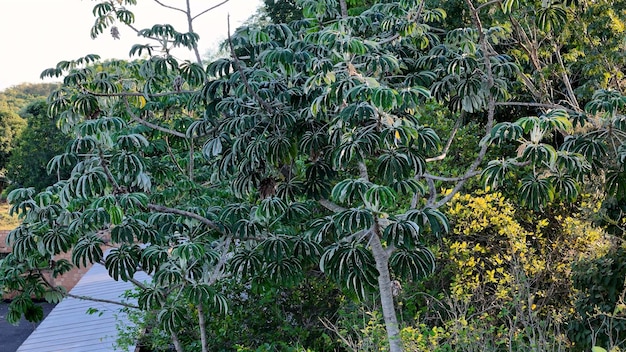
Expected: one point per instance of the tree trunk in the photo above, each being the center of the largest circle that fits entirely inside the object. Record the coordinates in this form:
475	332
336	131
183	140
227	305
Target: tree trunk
386	295
176	341
202	324
344	8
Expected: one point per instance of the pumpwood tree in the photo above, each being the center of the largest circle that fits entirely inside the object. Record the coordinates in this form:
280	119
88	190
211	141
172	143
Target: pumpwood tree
304	147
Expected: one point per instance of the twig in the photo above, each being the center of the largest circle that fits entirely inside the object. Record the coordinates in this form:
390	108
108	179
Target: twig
238	67
151	125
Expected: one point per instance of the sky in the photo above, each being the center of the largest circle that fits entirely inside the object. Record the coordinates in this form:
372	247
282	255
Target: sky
36	34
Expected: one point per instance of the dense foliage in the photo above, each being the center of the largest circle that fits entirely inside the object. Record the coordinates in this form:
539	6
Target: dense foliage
336	145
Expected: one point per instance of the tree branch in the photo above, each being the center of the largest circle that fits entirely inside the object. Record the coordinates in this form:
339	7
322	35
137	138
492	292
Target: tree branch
169	7
455	129
209	9
164	209
331	206
244	80
151	125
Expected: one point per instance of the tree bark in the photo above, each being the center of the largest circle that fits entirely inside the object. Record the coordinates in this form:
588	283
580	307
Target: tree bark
344	8
202	324
176	341
386	296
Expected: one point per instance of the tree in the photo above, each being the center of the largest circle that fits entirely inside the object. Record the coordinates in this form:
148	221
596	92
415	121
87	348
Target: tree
40	141
305	147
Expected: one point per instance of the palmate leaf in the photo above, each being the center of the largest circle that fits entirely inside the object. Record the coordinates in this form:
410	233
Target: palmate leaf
430	218
271	208
409	186
552	17
87	250
379	197
92	183
538	153
535	192
151	298
323	229
246	263
276	247
172	317
393	165
127	231
565	186
354	219
352	265
306	250
122	262
606	100
21	200
169	274
506	131
351	191
574	163
152	257
593	148
413	264
57	240
22	241
285	271
616	184
402	233
495	173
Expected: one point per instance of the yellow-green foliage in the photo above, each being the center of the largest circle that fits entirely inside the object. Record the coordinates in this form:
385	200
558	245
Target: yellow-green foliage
506	277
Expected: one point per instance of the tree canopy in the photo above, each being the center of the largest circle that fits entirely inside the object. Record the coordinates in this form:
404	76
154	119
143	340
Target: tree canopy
317	144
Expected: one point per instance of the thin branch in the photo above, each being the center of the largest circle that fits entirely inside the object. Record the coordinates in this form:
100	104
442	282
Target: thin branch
450	179
534	105
84	298
93	299
238	67
363	171
568	84
171	154
209	9
455	129
169	7
151	125
202	219
217	271
138	94
331	206
487	4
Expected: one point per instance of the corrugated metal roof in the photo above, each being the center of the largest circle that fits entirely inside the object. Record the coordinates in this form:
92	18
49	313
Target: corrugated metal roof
68	328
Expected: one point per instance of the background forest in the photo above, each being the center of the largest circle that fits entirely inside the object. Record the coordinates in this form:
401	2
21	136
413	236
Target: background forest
344	175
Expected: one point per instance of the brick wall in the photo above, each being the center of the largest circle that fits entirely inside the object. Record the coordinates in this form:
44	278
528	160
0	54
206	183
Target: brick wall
3	242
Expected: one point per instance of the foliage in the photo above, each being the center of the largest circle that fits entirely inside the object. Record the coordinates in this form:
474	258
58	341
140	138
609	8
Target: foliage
313	145
598	318
34	148
506	280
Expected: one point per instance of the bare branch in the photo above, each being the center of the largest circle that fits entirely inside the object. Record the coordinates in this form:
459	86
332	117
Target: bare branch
209	9
169	7
534	105
331	206
455	129
202	219
151	125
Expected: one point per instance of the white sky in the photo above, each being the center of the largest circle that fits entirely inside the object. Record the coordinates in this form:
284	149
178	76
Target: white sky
36	34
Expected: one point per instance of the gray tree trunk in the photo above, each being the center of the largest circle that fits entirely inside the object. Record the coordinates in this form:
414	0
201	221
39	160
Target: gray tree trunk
344	8
386	296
